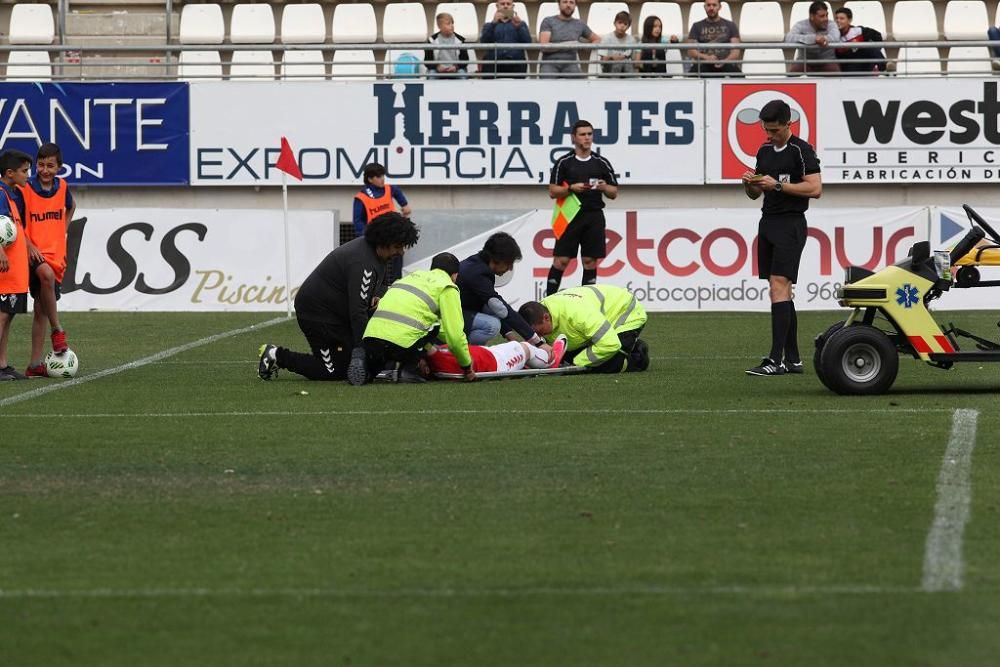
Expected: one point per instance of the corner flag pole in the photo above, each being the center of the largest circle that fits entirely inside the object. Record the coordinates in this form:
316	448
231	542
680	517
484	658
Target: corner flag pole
288	249
287	165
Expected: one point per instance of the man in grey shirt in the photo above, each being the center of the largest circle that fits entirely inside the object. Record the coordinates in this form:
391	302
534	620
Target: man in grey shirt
818	36
565	31
713	29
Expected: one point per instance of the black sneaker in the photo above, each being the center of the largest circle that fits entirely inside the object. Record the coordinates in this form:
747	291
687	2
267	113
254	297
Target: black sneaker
357	370
767	367
794	367
10	373
268	366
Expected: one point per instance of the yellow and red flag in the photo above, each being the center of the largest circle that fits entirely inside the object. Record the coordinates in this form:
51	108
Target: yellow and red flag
563	212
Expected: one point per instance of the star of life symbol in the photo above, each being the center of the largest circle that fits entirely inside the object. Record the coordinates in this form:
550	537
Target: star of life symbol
907	295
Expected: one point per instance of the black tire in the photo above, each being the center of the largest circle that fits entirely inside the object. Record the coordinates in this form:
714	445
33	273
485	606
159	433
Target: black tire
859	360
820	344
967	276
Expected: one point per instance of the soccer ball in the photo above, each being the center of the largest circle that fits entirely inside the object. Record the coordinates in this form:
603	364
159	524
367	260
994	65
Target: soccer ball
63	365
8	231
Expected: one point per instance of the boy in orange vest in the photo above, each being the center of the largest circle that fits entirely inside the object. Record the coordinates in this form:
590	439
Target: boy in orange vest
372	201
14	166
48	208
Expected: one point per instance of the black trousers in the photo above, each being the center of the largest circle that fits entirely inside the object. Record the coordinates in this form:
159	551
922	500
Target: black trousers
330	352
380	354
622	357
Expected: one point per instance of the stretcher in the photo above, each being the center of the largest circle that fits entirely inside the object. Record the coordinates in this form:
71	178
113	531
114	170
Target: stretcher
525	373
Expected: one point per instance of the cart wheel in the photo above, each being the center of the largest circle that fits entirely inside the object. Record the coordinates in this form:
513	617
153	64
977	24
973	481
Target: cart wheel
820	344
967	276
859	360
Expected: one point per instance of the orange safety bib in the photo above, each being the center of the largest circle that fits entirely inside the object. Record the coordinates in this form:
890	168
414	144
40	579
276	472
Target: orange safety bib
376	206
15	279
47	225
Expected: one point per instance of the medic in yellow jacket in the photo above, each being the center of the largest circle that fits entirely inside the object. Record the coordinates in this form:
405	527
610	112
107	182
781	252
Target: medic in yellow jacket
601	323
406	315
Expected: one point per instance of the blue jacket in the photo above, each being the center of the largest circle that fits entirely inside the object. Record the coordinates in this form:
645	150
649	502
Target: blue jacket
506	33
477	286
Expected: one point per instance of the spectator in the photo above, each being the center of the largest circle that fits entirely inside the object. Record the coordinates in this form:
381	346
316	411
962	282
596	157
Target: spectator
566	31
653	61
816	35
618	61
448	59
872	60
505	28
713	29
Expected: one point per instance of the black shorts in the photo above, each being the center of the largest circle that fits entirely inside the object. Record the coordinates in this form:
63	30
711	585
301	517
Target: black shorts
330	343
12	304
780	241
585	234
35	283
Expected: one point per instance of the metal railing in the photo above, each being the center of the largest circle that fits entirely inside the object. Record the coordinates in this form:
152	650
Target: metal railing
166	62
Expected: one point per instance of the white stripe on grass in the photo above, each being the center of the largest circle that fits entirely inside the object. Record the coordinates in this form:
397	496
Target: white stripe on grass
498	412
761	590
943	554
138	363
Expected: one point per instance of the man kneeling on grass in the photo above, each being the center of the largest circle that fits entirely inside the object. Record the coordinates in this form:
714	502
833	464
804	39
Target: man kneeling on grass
601	323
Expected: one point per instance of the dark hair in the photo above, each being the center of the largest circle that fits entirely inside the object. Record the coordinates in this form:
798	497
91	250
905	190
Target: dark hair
624	17
372	170
49	150
502	247
13	159
846	11
532	312
391	229
647	28
581	123
776	111
817	7
446	262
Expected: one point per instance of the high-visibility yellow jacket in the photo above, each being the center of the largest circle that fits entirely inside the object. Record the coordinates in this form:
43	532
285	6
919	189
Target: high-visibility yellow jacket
591	317
413	305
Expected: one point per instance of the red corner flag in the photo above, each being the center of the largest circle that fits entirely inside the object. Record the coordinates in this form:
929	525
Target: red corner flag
286	161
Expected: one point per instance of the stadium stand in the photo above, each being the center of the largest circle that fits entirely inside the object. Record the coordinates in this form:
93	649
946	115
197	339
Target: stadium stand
303	24
201	24
252	24
762	22
30	24
763	63
404	22
354	24
99	27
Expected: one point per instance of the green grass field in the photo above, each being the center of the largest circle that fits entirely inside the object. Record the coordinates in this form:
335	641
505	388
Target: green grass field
184	512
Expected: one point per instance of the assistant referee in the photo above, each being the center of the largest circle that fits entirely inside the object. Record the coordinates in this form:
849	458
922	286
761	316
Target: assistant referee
591	177
788	176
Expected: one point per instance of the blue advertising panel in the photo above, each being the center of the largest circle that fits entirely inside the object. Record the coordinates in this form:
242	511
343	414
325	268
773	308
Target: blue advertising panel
110	133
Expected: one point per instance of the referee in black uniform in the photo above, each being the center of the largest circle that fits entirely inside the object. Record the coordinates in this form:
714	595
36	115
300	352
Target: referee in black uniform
591	178
788	175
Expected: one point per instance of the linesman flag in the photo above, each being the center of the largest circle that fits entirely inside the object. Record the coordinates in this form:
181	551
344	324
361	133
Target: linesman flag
563	212
286	161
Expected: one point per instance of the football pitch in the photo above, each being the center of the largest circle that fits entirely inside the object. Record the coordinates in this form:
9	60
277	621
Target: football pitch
167	507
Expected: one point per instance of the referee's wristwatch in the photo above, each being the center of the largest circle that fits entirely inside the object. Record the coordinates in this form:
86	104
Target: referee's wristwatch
777	186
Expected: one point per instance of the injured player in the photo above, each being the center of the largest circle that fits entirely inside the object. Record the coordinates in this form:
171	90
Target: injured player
505	358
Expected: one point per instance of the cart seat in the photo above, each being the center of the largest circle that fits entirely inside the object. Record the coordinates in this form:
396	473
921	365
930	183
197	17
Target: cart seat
985	254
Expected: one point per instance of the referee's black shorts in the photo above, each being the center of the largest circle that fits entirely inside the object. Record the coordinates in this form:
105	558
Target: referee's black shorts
585	234
780	241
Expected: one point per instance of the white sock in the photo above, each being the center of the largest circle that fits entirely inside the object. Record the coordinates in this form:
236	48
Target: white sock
539	358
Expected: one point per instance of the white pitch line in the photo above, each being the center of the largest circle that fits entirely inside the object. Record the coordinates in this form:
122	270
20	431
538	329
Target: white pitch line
138	363
528	591
499	412
943	554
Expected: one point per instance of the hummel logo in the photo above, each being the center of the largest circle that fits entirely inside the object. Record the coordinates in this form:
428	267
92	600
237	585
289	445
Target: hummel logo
366	283
325	354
